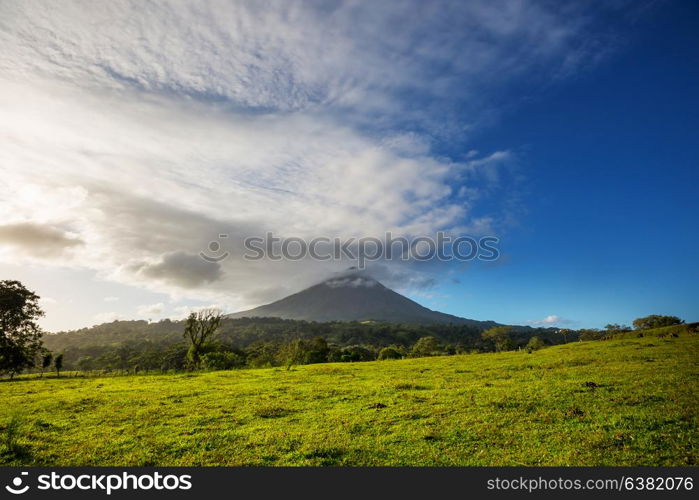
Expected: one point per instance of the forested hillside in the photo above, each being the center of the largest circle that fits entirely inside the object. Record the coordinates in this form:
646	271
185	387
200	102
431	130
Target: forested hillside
160	345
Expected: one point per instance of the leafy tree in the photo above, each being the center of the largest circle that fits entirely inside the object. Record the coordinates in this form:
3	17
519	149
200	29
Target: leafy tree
352	353
302	351
500	337
391	352
564	332
139	345
613	328
426	346
46	360
317	351
109	361
58	363
292	353
590	334
199	329
534	344
656	321
86	363
20	335
261	354
174	357
450	349
222	360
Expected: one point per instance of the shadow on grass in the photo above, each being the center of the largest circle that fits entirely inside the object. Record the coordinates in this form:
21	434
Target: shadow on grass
34	378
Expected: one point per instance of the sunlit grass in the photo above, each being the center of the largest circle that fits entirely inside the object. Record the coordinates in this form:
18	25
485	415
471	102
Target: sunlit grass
484	409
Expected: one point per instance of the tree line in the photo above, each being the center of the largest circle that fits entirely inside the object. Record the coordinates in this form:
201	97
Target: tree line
208	341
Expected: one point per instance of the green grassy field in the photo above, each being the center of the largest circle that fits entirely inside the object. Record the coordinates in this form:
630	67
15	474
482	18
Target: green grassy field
484	409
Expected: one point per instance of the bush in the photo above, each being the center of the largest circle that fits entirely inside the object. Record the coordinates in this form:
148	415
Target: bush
317	350
591	334
426	346
352	353
656	321
390	353
86	363
534	344
222	361
499	337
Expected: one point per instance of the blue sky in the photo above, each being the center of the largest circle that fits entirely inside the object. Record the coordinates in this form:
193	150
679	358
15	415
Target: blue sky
134	134
610	231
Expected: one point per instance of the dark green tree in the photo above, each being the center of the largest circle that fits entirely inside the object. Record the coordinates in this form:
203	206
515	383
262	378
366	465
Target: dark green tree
391	352
425	346
534	344
500	337
174	357
58	364
591	334
613	328
85	363
293	353
20	334
317	350
200	329
222	360
655	321
564	332
46	359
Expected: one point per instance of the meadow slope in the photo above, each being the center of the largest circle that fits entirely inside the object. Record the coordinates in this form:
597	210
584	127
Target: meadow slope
483	409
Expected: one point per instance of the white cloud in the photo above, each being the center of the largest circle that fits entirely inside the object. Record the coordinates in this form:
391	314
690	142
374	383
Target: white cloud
290	56
181	312
551	320
134	133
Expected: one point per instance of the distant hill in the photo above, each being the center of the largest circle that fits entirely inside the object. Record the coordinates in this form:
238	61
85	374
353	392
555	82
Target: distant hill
355	297
350	309
131	340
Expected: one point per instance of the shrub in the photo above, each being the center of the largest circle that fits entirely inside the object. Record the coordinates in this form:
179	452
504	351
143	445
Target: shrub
352	353
390	353
655	321
591	334
316	350
221	361
534	344
426	346
499	337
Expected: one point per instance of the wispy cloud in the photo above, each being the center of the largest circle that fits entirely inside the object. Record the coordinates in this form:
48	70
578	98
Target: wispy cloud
364	57
151	311
551	320
136	132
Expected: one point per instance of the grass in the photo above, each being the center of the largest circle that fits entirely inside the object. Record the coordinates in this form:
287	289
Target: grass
627	401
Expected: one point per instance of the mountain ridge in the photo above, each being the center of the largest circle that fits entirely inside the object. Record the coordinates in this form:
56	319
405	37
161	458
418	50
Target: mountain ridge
353	297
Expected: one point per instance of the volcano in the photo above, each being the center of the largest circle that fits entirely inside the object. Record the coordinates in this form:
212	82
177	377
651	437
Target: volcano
354	297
